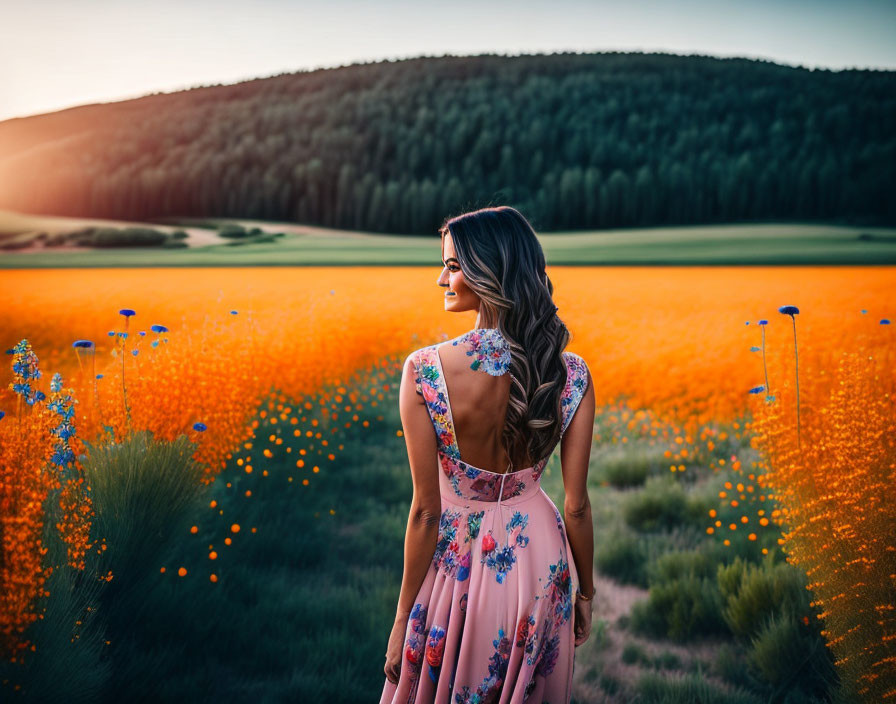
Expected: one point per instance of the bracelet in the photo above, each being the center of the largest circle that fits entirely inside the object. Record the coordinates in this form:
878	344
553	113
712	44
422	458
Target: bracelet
581	596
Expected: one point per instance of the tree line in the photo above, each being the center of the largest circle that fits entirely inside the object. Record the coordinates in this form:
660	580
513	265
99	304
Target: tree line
574	141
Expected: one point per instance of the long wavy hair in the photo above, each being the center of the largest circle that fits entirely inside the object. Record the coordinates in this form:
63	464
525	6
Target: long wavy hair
503	263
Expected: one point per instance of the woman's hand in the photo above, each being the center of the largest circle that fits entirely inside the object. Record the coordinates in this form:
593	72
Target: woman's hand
394	650
582	623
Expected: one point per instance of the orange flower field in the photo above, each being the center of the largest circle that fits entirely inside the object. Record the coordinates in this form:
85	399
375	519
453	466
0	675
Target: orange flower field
669	350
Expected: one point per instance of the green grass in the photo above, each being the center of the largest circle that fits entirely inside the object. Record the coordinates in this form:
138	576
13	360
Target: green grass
732	244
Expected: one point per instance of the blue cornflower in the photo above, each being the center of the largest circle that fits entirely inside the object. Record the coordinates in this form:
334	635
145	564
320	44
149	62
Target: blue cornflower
86	344
757	389
788	310
158	328
38	396
155	343
63	455
864	311
885	321
754	348
763	322
126	312
135	352
25	368
56	383
122	334
111	333
99	376
2	413
64	430
143	333
233	312
199	426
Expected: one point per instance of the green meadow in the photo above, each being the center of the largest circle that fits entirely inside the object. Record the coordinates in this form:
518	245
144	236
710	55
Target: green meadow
306	591
295	245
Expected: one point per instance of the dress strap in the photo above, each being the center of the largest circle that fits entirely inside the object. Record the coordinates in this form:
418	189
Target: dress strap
431	385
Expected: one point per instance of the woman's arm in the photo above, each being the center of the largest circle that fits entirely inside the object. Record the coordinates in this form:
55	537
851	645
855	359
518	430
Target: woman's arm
575	452
426	503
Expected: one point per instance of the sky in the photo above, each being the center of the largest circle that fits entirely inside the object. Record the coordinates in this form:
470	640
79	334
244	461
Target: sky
60	53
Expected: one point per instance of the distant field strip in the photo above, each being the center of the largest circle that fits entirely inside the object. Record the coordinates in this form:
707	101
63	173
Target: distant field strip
743	244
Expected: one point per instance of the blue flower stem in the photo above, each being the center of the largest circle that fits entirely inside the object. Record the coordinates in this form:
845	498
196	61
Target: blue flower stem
124	388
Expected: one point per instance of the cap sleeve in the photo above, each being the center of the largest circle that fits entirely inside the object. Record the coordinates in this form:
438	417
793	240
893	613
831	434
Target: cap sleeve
415	360
576	384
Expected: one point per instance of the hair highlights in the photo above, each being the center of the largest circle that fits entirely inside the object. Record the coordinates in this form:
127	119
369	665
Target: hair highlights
503	263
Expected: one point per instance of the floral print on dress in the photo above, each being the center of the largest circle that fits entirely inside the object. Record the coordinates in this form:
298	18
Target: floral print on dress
560	590
501	558
431	387
415	642
527	636
489	348
488	691
451	556
435	649
559	520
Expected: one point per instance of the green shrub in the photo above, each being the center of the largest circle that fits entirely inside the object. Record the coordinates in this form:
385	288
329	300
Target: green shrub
788	655
633	653
661	504
731	665
143	490
127	237
684	600
623	557
256	239
675	565
179	235
655	688
683	609
667	660
630	468
174	244
232	231
767	607
753	593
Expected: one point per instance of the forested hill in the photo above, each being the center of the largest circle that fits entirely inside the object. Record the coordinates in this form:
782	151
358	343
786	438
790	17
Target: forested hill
572	140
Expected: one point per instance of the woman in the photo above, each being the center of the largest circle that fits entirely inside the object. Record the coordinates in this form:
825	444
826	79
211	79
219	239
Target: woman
496	591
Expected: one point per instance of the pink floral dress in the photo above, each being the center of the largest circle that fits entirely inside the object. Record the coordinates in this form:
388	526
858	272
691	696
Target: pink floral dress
492	621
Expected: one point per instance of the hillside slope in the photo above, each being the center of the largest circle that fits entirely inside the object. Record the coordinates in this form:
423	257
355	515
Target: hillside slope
573	140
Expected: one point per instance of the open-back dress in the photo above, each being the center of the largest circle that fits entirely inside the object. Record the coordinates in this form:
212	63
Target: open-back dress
492	622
